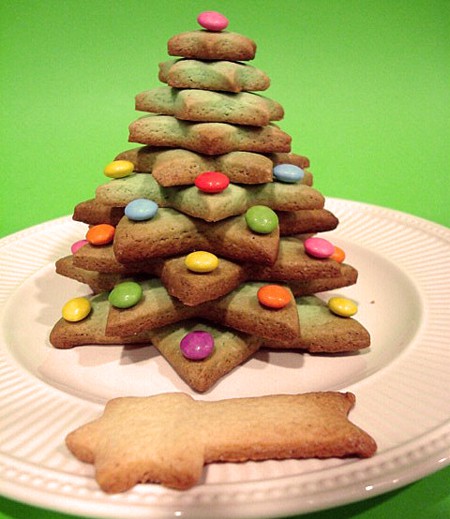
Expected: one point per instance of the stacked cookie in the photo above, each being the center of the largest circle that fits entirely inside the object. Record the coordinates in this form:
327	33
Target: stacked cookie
202	243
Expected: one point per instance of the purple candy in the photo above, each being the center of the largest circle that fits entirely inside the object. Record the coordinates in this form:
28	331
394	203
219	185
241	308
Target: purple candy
197	345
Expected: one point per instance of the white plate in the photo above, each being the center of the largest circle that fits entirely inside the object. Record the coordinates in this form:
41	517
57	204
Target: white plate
401	384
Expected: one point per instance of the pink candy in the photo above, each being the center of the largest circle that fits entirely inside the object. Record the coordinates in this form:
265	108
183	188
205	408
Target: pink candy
212	21
77	246
318	247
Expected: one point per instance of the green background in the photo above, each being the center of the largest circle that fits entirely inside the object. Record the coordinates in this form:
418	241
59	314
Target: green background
364	85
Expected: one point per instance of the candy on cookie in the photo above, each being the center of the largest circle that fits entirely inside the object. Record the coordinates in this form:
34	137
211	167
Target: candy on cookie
311	425
177	167
320	330
185	256
230	199
304	221
239	309
172	233
192	289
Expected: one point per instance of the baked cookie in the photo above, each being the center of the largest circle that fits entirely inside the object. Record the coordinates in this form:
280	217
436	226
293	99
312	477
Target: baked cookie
231	349
292	264
91	330
324	332
312	425
306	221
209	106
321	331
177	167
207	138
228	46
193	289
227	76
240	310
171	233
190	200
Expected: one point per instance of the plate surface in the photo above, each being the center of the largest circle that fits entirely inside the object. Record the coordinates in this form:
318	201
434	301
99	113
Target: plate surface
401	383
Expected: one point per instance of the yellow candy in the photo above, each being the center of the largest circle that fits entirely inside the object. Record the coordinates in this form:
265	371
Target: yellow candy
119	169
343	307
201	261
76	309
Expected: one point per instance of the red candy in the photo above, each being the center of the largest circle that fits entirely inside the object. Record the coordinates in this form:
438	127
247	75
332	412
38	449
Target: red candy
274	296
212	182
100	234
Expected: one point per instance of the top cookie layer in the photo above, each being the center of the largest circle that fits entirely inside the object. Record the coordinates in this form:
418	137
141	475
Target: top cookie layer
212	45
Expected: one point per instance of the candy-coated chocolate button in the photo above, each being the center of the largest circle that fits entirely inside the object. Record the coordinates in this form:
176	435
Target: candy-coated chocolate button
212	21
141	209
76	309
342	306
261	219
274	296
338	255
201	261
288	173
212	182
197	345
77	246
318	247
101	234
119	169
125	295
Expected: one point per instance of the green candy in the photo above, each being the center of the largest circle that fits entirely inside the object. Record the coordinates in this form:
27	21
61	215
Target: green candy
125	295
261	219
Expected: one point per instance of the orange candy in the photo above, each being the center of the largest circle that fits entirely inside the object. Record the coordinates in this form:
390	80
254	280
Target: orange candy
274	296
338	255
100	234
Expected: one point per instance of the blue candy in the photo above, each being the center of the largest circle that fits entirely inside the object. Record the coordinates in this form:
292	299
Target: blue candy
141	209
288	173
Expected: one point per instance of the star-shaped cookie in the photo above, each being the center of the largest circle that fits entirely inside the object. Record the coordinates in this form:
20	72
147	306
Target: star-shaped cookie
234	200
168	438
